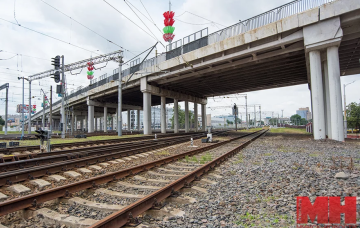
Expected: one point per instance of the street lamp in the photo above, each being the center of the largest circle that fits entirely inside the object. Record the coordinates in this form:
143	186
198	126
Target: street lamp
345	119
22	109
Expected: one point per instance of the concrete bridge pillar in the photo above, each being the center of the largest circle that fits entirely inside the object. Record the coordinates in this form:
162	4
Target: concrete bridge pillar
90	118
105	118
176	116
337	124
317	95
82	124
196	117
147	113
75	124
72	122
129	120
138	120
326	99
186	116
96	123
163	115
203	116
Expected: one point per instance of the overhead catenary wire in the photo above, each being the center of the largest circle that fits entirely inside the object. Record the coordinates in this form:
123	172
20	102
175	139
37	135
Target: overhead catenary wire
193	23
49	36
200	17
144	23
129	19
85	26
10	57
25	55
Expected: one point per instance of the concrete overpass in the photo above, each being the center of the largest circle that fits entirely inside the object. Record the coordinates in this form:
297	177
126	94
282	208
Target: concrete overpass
297	43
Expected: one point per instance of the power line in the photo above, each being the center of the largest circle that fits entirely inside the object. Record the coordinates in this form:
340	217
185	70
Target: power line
84	26
152	21
25	55
193	23
48	36
10	57
143	23
200	17
129	19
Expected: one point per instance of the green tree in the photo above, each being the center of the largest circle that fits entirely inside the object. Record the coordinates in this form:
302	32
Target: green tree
295	119
2	121
181	117
229	122
353	115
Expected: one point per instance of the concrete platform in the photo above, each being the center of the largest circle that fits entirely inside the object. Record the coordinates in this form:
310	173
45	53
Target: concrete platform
56	178
19	189
40	183
72	174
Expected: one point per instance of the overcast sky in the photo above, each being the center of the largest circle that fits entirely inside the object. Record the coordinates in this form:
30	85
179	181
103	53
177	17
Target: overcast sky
31	52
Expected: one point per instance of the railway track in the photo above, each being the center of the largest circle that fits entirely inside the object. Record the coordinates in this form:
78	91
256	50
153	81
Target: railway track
11	150
159	179
17	171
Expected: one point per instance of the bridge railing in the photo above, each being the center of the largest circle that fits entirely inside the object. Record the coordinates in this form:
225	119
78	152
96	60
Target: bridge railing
202	38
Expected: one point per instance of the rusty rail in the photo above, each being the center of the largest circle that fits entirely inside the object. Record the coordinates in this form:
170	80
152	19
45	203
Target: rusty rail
33	200
122	217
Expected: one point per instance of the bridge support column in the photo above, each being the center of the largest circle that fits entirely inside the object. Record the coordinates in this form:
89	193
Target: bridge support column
86	123
105	118
163	115
203	117
129	120
75	125
176	116
196	117
72	122
327	99
138	120
96	123
337	123
90	118
317	95
112	123
186	116
82	124
147	113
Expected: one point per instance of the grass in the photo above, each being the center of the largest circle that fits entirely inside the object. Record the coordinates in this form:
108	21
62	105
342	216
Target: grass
240	159
72	140
289	130
267	154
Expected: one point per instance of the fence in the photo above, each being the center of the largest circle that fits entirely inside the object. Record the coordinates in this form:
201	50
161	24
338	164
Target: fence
202	38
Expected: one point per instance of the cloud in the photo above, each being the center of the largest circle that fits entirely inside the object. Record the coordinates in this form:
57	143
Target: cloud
103	19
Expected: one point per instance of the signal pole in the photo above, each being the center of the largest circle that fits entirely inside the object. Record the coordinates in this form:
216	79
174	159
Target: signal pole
63	120
50	120
30	108
119	117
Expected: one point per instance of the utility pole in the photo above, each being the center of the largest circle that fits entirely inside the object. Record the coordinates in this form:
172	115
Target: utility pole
43	117
249	120
260	115
119	117
277	122
30	109
247	123
254	116
50	120
6	86
63	116
22	111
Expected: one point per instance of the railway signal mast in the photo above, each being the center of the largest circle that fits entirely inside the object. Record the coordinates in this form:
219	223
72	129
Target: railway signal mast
61	68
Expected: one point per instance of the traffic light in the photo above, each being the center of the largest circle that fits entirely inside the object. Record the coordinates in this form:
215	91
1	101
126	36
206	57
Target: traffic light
56	62
57	76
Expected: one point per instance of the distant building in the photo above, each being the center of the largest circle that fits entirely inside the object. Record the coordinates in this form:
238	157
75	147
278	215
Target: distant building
304	113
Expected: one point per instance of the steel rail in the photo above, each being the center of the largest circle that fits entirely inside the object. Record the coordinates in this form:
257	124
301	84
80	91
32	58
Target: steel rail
8	178
33	200
58	156
53	146
124	216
